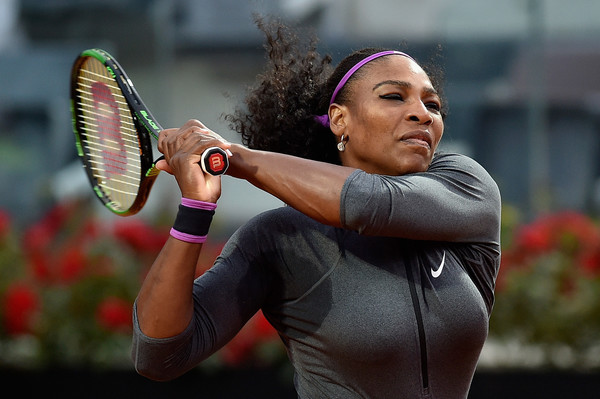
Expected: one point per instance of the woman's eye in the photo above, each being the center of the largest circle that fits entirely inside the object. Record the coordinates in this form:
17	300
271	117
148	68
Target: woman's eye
394	96
433	106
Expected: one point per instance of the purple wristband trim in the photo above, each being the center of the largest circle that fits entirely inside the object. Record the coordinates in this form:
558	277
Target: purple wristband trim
187	237
197	204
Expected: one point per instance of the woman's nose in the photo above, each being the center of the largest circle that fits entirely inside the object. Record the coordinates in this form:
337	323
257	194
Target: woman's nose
419	113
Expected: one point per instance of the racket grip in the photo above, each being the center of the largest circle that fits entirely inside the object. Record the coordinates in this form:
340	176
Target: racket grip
214	161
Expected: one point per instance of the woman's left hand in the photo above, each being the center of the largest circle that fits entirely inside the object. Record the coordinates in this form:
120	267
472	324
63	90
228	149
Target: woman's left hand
183	148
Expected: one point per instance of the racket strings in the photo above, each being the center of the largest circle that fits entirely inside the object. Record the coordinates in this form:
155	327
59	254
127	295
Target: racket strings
91	129
108	134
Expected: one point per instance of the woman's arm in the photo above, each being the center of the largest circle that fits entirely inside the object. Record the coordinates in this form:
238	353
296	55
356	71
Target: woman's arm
164	303
311	187
223	299
314	188
455	200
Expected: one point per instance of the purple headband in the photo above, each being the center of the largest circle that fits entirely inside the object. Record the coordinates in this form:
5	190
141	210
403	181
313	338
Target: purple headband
324	119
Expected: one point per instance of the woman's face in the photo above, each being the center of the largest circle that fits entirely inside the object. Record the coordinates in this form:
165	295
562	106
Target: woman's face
392	122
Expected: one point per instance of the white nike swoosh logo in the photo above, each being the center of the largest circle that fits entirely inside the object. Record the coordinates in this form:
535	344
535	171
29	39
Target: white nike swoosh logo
436	273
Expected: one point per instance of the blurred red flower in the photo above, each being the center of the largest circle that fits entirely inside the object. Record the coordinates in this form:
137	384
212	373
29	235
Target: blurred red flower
39	264
20	305
41	234
71	264
589	261
140	236
566	231
37	238
536	237
114	314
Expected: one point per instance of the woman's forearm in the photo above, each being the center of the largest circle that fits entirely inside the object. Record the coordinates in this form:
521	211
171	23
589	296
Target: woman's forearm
312	187
164	304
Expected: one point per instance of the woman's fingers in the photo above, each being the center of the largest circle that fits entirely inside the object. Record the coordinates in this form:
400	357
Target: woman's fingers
163	136
193	136
182	148
164	166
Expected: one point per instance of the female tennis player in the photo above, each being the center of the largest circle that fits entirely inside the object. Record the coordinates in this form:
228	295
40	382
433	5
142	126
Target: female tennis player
378	275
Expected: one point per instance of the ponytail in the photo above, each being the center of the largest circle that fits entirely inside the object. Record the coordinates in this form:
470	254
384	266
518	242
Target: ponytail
279	111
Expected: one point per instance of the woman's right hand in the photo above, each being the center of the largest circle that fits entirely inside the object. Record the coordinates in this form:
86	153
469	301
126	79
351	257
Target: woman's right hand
183	148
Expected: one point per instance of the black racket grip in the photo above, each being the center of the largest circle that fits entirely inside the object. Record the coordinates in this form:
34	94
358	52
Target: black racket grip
214	161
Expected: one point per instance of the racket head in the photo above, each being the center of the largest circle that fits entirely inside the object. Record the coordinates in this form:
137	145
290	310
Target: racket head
112	130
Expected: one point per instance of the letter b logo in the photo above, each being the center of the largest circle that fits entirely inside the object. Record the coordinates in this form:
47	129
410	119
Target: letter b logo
214	161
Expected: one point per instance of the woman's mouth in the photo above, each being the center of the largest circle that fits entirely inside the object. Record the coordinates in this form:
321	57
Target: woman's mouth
420	137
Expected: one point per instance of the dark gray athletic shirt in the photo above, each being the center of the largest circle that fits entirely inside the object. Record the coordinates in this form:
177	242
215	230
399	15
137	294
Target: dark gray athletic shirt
394	305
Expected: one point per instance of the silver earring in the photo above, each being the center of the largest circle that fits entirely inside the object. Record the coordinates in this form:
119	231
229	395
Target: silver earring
341	146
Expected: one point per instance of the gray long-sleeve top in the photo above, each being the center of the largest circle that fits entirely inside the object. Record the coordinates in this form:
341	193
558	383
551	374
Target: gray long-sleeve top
394	305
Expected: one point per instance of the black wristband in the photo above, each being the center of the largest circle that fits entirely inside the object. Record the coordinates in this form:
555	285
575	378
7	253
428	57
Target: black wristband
193	221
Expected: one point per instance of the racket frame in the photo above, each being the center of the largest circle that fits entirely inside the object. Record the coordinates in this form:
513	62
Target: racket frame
145	126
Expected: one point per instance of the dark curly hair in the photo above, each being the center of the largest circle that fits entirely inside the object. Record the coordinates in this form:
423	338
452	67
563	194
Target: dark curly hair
296	85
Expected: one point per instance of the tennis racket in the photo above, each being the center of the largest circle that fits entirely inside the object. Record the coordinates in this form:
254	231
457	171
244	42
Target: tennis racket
112	129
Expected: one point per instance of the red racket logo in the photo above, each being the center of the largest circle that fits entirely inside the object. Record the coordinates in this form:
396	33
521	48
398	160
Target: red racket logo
214	161
106	112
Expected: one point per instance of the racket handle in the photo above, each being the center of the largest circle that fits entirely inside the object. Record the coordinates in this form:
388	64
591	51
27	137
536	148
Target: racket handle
214	161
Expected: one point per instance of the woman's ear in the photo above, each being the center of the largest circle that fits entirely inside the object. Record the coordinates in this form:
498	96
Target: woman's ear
337	119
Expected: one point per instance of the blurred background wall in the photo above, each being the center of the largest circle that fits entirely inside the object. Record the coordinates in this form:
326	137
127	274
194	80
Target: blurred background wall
522	83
